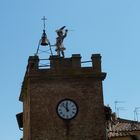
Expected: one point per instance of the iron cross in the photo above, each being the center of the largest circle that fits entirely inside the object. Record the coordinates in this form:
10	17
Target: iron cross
44	18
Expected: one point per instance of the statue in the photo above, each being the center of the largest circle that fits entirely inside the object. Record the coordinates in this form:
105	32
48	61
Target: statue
59	41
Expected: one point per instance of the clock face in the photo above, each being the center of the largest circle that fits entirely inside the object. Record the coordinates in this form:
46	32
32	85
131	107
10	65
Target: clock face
67	109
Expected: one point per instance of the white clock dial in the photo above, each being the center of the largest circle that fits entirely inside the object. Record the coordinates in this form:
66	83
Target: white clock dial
67	109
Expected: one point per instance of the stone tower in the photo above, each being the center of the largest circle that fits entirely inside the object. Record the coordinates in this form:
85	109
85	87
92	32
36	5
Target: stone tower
48	113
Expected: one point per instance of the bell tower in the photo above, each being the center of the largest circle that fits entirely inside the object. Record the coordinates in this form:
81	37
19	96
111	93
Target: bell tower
63	101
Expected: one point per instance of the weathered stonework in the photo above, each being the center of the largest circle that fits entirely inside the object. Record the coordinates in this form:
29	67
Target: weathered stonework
44	88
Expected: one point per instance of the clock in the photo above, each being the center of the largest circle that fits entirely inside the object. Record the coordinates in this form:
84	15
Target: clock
67	109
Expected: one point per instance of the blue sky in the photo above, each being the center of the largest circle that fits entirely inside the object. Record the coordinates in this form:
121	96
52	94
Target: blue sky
109	27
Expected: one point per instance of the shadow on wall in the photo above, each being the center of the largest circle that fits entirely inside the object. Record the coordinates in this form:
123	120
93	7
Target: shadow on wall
134	137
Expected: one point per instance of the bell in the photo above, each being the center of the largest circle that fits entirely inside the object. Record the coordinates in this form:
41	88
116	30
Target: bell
44	40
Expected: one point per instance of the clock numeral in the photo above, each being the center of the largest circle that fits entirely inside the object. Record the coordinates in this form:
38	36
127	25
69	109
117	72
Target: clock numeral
60	112
74	109
62	104
73	112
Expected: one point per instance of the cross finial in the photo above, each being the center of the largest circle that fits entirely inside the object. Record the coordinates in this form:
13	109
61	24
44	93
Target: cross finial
44	18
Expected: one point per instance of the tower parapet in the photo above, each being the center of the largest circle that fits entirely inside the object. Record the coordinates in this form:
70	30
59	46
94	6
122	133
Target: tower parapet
96	62
72	65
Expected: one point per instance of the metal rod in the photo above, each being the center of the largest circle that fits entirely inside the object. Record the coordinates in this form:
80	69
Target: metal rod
38	47
86	61
44	59
50	48
44	65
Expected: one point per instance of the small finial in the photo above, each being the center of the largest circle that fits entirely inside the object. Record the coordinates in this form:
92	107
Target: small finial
44	23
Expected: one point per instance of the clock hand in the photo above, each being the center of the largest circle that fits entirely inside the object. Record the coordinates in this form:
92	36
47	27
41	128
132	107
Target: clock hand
64	105
67	107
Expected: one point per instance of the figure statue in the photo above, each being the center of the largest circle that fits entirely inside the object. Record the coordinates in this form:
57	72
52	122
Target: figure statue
59	41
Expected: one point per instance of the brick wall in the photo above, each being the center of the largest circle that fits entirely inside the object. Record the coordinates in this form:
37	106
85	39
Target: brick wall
47	87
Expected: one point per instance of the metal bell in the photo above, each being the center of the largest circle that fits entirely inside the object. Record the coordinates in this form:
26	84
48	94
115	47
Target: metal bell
44	40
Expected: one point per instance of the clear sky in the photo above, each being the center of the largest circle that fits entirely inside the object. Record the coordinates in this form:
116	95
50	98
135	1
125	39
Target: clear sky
108	27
